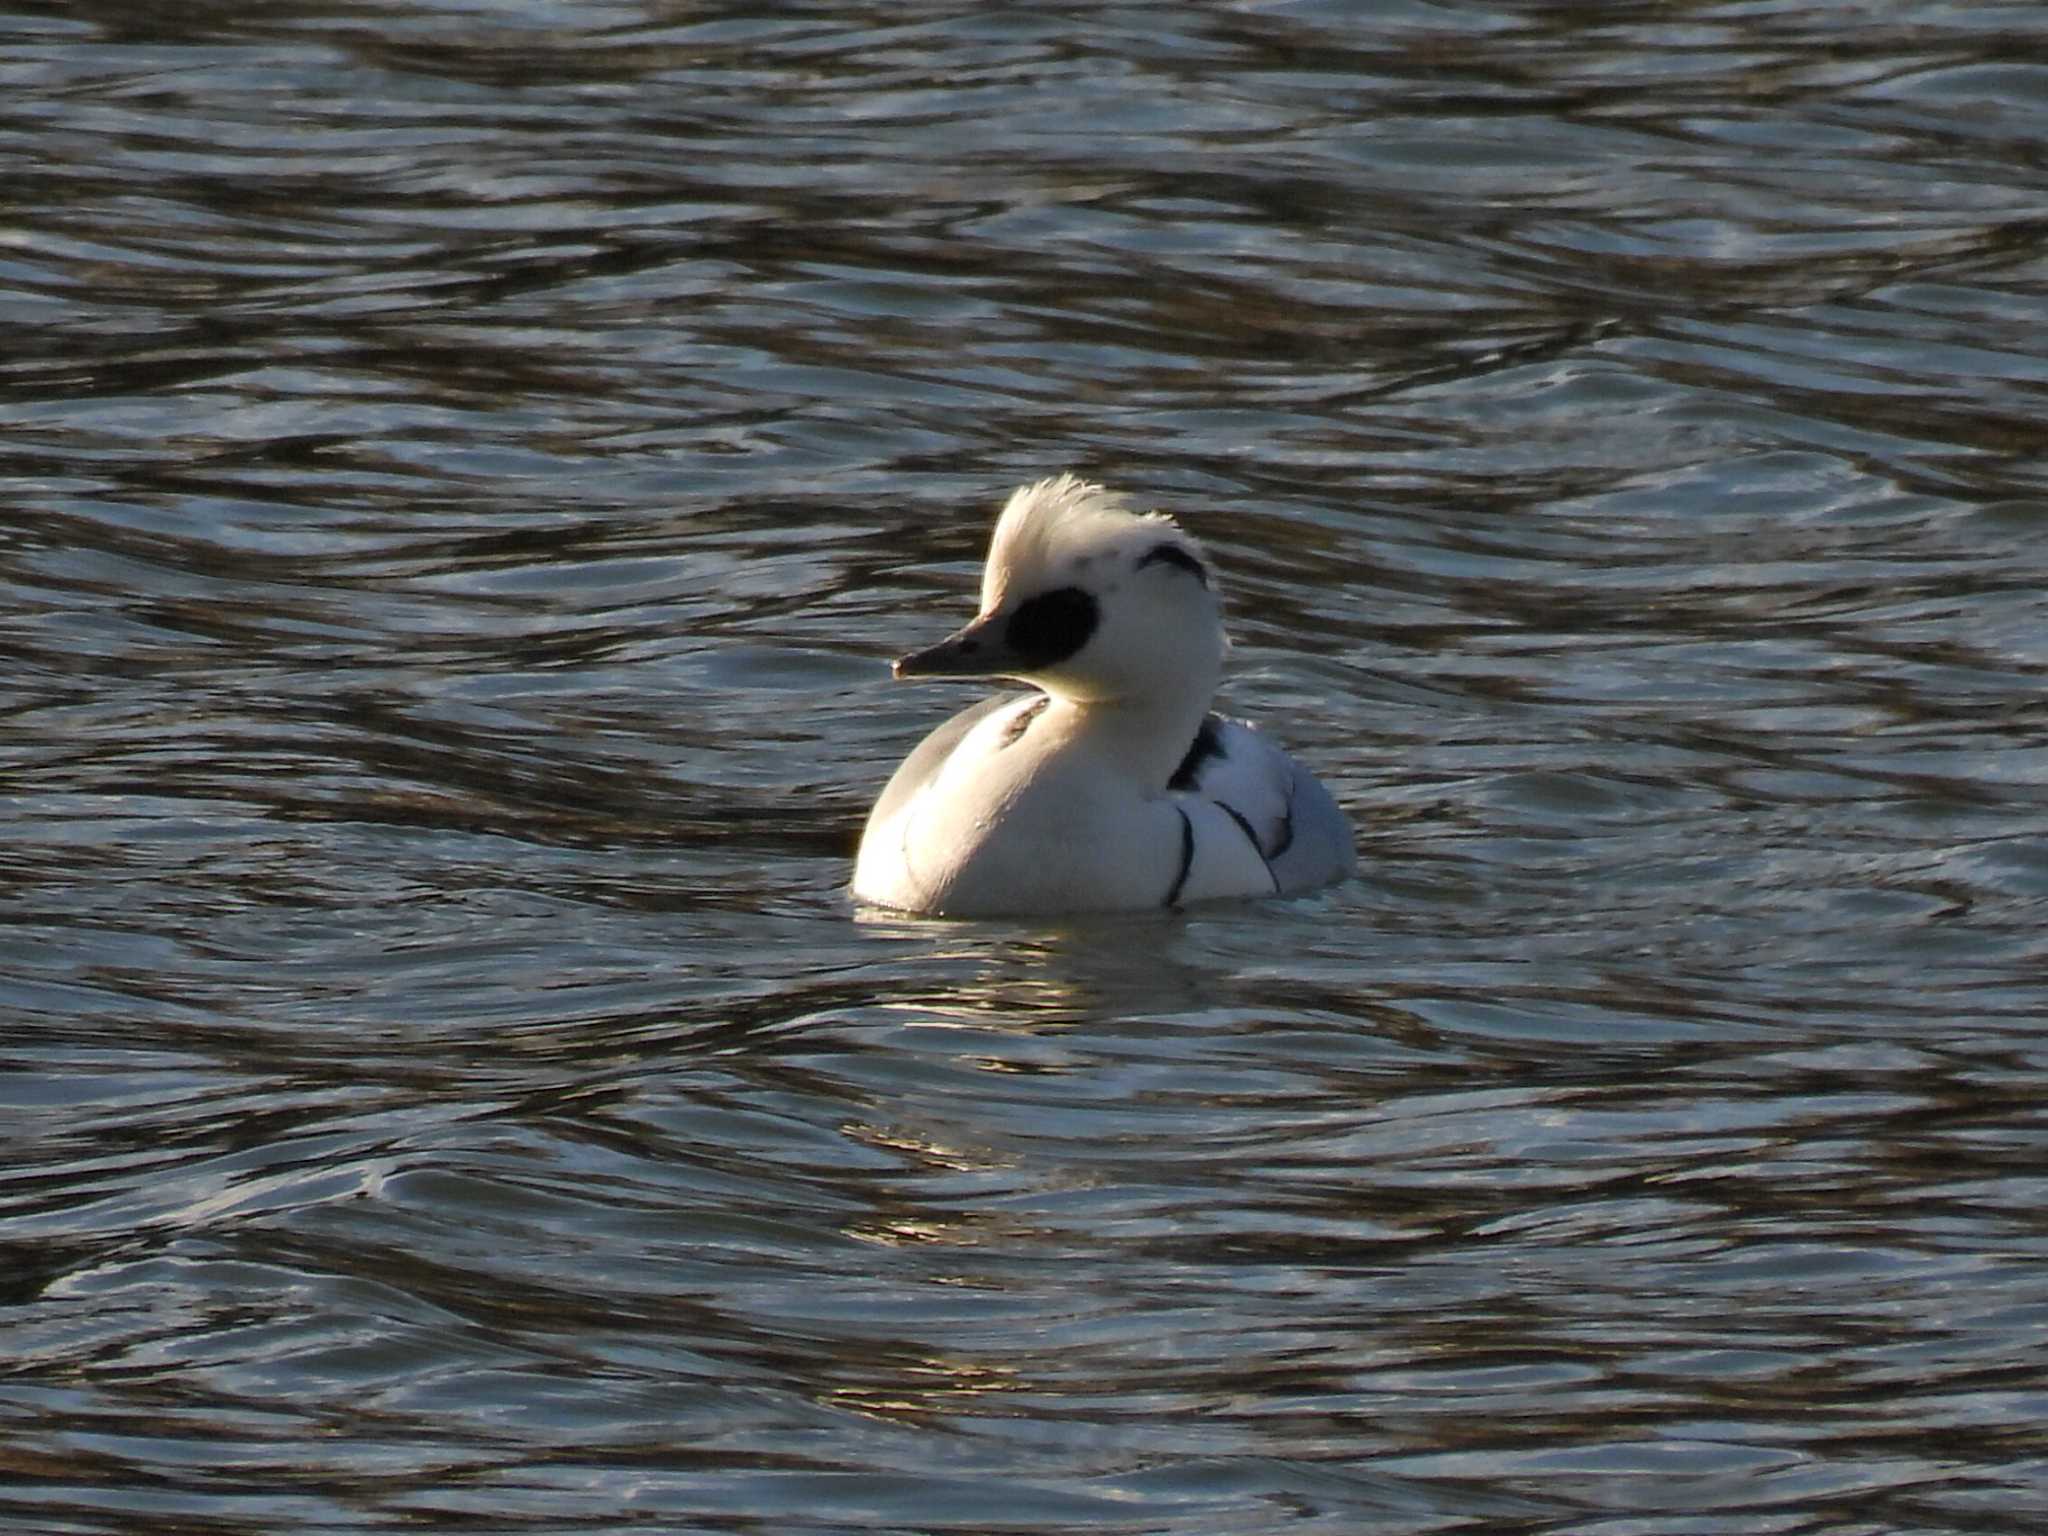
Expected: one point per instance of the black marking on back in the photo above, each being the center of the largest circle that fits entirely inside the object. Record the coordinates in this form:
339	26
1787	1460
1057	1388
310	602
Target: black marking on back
1170	553
1187	857
1208	743
1047	629
1019	723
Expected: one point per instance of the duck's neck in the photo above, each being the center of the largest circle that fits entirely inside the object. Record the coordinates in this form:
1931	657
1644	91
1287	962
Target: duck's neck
1144	738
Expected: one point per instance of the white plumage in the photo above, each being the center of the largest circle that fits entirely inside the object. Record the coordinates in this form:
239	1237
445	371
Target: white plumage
1113	786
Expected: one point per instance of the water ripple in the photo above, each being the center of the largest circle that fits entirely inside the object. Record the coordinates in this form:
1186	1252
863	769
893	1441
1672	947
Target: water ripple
466	471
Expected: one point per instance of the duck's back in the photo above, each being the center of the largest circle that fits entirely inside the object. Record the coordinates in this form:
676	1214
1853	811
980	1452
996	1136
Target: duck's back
1301	836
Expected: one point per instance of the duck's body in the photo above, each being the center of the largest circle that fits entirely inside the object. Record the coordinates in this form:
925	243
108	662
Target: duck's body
1114	787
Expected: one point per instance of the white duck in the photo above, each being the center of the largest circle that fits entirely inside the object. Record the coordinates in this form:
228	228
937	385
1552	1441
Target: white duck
1114	787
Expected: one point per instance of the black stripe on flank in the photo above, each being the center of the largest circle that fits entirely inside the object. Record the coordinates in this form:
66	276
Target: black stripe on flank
1286	832
1208	743
1187	857
1251	837
1170	553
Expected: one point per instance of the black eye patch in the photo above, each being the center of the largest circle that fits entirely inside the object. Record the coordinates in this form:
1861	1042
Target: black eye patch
1173	554
1050	627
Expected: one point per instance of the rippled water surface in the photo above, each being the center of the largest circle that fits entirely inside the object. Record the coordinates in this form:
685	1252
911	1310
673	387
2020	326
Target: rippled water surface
465	468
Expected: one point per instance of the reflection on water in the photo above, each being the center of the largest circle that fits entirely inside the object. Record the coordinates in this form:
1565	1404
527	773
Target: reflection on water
464	472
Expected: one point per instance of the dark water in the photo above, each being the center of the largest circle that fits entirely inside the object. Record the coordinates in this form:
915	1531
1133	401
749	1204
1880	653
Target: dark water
464	469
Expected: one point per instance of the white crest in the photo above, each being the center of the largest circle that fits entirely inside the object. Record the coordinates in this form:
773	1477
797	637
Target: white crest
1044	526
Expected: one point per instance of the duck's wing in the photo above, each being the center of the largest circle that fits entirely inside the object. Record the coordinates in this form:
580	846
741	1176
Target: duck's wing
1290	818
918	769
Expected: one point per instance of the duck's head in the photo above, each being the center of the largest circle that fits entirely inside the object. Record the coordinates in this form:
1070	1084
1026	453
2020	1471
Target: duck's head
1090	601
